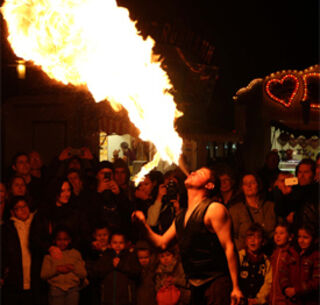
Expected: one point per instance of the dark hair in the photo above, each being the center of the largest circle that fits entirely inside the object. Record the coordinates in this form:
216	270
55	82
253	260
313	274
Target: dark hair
17	155
286	225
56	189
59	229
168	249
15	199
101	226
215	180
309	229
309	162
120	233
120	163
256	228
156	177
74	170
142	245
104	164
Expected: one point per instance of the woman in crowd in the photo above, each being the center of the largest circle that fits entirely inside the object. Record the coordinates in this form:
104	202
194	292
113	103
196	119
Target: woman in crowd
253	208
61	212
228	186
147	191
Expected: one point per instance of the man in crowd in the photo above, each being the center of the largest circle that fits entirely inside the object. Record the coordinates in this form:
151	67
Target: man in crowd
203	232
21	167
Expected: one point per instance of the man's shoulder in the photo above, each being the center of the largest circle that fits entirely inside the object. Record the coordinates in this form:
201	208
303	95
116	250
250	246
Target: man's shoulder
216	210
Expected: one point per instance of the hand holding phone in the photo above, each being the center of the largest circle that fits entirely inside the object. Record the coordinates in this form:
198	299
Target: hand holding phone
291	181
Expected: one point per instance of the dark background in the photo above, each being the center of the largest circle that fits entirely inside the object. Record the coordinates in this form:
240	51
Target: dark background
252	38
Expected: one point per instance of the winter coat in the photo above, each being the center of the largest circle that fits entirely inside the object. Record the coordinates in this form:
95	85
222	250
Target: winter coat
276	295
250	275
241	220
146	292
64	281
118	284
11	260
301	271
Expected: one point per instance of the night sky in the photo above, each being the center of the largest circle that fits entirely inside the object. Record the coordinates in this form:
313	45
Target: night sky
252	38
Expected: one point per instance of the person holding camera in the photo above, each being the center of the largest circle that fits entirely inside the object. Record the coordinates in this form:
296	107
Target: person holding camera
299	202
162	212
112	208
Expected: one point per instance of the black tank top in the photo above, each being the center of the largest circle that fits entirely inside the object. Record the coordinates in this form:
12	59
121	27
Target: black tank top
201	252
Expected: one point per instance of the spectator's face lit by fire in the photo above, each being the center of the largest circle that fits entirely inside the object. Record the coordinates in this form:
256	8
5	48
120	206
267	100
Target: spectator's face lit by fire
254	242
75	180
166	258
146	186
226	183
144	257
22	165
65	193
18	187
304	239
117	243
120	176
21	210
101	175
250	185
35	160
63	240
305	174
281	236
102	236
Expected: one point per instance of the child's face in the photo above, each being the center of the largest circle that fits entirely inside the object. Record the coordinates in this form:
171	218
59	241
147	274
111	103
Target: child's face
281	236
254	242
102	236
117	243
304	239
144	257
165	258
62	240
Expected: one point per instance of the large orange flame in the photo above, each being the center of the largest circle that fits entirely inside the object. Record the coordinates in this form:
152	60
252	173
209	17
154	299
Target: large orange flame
94	43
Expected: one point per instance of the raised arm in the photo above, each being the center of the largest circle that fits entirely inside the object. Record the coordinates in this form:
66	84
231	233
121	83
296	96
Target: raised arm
218	219
160	241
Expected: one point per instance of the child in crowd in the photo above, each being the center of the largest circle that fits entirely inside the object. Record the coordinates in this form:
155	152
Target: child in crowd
171	284
118	269
101	239
65	274
146	293
299	271
282	238
255	268
99	245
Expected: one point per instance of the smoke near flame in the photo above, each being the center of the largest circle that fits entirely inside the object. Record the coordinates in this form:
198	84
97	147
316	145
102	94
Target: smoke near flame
94	43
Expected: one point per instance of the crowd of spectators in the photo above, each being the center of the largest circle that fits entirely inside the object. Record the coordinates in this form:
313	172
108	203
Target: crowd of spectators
67	236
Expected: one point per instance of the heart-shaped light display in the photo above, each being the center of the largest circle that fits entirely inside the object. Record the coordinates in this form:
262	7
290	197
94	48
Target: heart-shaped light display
283	90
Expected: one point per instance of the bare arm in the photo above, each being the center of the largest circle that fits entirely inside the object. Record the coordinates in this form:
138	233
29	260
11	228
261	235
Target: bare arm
160	241
217	218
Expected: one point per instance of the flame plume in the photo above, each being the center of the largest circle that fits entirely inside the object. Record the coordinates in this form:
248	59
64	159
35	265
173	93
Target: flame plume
94	43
